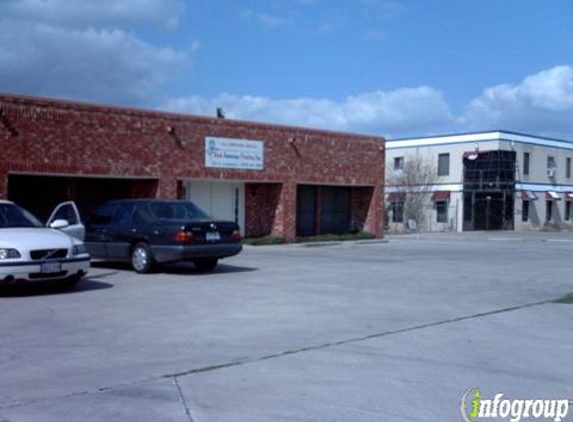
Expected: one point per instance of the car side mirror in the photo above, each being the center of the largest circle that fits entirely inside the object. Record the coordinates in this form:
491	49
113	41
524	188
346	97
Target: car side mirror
59	224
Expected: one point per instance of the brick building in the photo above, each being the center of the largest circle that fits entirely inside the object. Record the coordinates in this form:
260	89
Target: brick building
279	180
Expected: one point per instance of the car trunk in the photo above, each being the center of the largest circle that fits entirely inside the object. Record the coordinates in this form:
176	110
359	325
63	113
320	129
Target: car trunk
213	231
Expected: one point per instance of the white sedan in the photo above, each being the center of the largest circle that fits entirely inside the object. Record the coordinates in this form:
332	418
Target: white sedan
33	253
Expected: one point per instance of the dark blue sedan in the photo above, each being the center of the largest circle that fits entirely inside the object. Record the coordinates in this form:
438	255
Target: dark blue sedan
147	232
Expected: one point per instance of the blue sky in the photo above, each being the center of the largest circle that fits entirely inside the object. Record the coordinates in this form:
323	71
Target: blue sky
389	67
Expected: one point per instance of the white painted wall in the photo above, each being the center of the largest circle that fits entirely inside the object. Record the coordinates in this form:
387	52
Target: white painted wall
218	198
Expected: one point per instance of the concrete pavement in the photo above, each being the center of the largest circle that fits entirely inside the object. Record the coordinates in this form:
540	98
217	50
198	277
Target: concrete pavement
394	332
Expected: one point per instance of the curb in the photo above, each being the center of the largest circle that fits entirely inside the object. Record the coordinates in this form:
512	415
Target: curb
370	242
506	239
319	244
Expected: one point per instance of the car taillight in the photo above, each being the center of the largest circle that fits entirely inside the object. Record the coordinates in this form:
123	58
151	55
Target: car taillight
183	237
236	236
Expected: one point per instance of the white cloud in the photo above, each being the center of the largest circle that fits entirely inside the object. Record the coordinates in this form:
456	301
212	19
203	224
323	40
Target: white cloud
79	13
541	103
89	64
88	50
267	20
271	21
408	109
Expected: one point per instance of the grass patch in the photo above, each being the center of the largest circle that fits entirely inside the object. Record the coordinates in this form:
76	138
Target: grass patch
568	299
265	240
335	237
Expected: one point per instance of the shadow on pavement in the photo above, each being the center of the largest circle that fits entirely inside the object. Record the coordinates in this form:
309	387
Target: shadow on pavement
42	289
183	268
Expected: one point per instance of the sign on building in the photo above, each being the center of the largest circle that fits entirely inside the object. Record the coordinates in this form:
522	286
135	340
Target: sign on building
234	153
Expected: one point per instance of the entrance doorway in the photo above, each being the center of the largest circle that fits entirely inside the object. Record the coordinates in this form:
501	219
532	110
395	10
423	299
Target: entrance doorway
223	200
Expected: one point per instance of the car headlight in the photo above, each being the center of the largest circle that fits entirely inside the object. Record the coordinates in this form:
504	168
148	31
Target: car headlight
7	253
79	249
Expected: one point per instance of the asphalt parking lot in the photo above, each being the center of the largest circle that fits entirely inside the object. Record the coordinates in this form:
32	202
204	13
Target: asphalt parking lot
393	331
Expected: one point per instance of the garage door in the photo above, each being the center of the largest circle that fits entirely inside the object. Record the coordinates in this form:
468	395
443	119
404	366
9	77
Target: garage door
222	200
39	194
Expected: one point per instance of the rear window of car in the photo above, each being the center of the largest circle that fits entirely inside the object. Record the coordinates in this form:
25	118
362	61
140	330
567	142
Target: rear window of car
178	211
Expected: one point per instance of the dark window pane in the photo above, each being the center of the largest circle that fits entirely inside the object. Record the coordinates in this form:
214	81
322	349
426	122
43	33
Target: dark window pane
526	163
525	211
123	214
103	215
14	216
66	212
178	211
142	215
397	211
442	211
443	164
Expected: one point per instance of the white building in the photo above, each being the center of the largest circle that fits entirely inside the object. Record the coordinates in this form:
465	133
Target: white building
485	181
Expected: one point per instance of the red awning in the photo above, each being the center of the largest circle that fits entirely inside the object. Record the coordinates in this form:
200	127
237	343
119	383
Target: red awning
551	195
396	197
441	195
528	195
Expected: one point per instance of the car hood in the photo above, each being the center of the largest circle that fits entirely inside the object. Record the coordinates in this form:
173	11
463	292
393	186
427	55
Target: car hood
34	238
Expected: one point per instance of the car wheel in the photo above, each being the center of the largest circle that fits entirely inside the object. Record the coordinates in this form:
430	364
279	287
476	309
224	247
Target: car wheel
206	264
142	258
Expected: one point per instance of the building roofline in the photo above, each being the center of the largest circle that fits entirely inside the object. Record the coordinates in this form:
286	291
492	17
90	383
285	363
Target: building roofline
500	131
150	113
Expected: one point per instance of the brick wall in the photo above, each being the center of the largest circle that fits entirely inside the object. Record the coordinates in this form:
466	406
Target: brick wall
57	137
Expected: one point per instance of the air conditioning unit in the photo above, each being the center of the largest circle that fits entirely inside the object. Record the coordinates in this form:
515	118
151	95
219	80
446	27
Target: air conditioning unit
551	172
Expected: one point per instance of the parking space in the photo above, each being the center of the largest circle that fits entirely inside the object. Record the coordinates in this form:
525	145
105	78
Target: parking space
359	331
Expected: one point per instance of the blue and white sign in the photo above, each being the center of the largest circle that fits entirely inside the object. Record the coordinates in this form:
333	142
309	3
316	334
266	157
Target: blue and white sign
234	153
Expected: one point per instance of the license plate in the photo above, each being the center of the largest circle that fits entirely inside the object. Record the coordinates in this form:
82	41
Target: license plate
211	236
51	267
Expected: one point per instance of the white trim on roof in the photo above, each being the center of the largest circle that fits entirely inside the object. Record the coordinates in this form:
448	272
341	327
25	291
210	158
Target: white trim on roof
454	187
458	187
477	137
440	140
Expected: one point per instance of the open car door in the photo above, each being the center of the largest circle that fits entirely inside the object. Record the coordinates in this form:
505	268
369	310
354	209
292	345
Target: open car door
66	218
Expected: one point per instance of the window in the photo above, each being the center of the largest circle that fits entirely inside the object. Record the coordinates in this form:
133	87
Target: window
567	210
398	163
548	211
175	211
66	212
103	215
443	164
442	211
568	167
526	157
14	216
123	214
142	215
397	211
551	162
525	211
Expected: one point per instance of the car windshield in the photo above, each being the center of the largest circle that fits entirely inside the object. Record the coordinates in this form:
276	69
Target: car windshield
13	216
178	211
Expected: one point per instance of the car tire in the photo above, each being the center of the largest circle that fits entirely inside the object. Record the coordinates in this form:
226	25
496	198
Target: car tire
142	260
206	264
